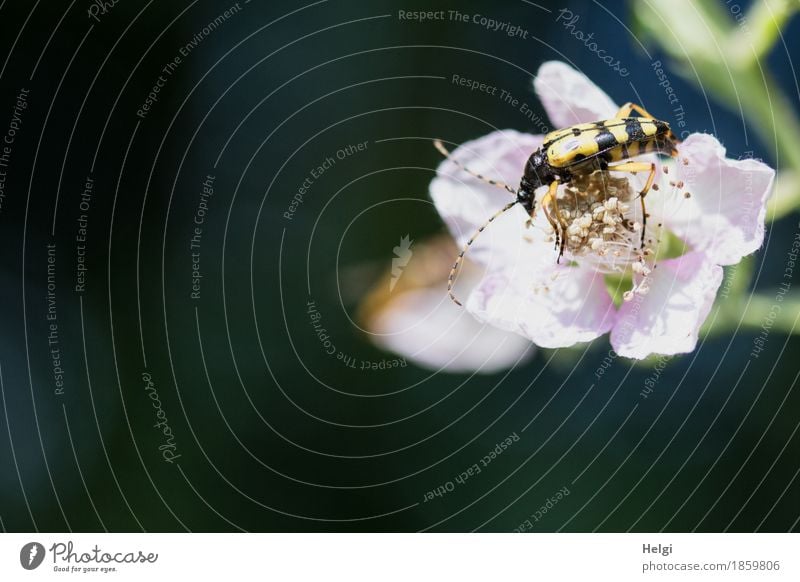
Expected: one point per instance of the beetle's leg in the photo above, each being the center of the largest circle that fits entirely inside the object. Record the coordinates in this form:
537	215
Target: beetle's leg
451	277
628	108
634	168
563	238
557	222
443	150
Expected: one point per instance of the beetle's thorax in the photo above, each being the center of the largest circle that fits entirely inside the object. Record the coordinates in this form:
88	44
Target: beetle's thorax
537	170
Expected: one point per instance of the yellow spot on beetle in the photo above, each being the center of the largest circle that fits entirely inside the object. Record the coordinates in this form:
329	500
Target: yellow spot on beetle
648	127
619	133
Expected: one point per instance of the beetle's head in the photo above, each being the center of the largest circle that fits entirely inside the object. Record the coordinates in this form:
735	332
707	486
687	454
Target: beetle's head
537	173
525	194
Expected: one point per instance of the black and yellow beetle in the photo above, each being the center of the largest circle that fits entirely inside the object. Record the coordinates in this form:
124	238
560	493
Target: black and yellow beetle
580	150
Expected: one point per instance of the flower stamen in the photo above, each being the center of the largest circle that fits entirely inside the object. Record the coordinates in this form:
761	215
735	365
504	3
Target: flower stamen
601	228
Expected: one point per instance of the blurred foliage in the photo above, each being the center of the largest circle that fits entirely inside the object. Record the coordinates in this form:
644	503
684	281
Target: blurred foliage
723	48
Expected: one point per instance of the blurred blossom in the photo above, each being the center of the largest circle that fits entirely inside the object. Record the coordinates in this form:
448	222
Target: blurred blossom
714	204
410	314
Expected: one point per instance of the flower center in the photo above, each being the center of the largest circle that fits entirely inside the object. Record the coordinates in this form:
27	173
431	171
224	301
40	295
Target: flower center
602	229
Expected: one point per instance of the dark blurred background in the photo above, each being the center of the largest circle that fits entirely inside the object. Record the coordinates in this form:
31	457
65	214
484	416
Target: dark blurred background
267	431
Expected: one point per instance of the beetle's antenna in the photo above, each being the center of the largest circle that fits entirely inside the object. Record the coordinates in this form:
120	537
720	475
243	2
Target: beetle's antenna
460	257
437	143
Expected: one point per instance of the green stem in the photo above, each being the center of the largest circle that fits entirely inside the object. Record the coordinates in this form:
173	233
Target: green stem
750	92
727	57
730	297
786	196
772	116
756	33
771	313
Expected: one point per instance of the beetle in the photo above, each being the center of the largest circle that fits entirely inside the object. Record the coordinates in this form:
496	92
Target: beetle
580	150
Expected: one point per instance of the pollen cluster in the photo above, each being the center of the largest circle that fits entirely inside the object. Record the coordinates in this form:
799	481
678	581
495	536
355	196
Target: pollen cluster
602	227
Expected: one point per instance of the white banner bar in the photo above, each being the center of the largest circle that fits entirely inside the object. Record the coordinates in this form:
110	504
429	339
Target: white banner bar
400	557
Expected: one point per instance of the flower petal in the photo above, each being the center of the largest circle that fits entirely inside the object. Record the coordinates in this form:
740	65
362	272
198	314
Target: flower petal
465	202
569	97
556	307
431	331
724	217
667	320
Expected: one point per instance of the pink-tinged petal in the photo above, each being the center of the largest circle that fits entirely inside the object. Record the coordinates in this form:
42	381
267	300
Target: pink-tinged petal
424	326
465	202
569	97
668	318
555	308
724	215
